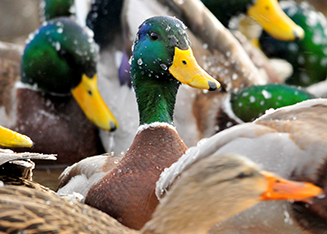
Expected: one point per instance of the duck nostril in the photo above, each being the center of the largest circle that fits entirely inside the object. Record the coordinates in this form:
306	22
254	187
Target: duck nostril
184	62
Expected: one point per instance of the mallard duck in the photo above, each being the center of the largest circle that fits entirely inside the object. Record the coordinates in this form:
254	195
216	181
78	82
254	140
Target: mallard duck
267	13
307	56
58	63
162	60
214	113
289	141
226	62
226	183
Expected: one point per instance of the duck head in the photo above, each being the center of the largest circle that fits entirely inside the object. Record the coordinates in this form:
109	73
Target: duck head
253	101
60	58
266	12
307	56
163	51
162	59
52	8
214	189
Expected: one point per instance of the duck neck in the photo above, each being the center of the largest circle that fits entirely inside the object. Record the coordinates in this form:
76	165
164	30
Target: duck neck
156	99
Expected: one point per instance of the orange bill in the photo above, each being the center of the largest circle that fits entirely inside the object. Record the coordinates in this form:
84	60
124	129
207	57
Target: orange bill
282	189
187	71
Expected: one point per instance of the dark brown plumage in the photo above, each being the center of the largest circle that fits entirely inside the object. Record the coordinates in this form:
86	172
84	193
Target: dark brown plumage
123	191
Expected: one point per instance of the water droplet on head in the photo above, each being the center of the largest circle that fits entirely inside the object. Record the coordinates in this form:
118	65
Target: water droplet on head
60	30
252	99
139	61
164	66
266	94
58	46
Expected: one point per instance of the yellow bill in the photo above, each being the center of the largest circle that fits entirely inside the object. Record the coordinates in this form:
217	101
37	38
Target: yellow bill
187	71
9	138
274	20
89	99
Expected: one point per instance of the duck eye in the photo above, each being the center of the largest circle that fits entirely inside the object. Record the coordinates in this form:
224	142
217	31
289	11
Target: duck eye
154	36
243	175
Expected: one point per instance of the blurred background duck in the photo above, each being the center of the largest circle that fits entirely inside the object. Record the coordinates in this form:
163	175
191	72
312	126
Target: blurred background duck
215	113
268	15
56	97
289	141
236	182
307	56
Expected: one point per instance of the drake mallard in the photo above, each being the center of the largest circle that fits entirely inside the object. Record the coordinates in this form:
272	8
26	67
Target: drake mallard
58	69
289	141
227	62
162	60
245	105
307	56
225	183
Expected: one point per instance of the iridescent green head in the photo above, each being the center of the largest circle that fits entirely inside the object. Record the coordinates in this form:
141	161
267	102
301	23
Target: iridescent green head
57	55
60	57
162	59
154	47
252	102
308	56
266	12
56	8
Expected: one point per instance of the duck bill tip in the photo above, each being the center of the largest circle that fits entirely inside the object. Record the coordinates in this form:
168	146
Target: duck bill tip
10	138
88	97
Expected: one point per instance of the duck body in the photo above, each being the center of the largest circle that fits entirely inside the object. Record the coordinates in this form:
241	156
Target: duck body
43	116
156	79
307	56
40	205
290	142
40	100
139	169
193	190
